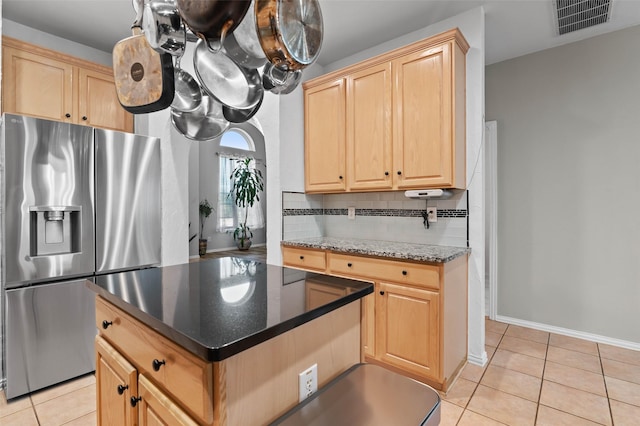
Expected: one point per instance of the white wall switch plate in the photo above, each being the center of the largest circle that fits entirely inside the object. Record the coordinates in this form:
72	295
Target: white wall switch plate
351	213
308	382
432	214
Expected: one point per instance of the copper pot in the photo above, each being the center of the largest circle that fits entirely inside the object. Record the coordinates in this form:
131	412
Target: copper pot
290	32
211	20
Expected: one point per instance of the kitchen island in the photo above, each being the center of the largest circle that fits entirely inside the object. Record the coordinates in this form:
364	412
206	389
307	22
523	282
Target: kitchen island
219	342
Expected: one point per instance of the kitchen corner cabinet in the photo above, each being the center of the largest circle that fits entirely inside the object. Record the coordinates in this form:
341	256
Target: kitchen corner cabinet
393	122
43	83
415	322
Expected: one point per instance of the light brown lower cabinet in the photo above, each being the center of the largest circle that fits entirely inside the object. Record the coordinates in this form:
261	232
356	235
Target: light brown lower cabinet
156	408
407	329
125	397
117	382
415	322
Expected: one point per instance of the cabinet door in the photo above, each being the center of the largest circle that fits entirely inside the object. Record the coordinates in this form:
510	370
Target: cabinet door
36	85
408	329
98	102
116	382
369	128
423	126
324	127
156	408
318	294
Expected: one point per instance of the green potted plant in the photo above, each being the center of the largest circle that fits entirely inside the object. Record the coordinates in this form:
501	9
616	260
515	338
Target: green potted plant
247	184
205	212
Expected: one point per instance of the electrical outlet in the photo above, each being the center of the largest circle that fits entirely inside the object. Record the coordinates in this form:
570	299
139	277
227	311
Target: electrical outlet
351	213
432	214
308	382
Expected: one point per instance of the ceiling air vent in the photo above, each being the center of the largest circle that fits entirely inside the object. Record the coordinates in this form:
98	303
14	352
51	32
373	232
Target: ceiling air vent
574	15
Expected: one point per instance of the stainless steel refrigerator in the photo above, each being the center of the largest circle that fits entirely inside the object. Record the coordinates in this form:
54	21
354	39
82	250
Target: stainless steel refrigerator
76	202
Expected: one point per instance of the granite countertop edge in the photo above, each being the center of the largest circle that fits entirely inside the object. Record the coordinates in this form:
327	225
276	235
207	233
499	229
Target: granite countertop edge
387	249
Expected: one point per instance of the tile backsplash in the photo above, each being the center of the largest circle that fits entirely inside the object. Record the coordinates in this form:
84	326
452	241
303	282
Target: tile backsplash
386	216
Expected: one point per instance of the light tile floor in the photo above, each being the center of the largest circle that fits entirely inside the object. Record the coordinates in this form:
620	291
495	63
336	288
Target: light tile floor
72	403
539	378
533	377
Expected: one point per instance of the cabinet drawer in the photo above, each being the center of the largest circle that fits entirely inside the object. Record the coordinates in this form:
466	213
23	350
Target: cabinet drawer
302	258
183	375
417	274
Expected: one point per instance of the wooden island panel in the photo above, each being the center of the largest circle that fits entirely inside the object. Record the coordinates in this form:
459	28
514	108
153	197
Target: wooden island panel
261	383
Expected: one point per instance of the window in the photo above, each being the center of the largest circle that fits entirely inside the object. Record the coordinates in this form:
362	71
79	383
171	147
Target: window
237	145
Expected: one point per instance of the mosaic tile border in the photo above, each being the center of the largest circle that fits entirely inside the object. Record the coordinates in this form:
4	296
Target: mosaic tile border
443	213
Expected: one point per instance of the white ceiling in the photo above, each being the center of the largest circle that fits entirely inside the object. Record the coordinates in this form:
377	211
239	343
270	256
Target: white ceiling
513	27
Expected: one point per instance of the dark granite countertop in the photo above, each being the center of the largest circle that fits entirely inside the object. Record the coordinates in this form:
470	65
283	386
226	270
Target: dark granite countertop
217	308
390	249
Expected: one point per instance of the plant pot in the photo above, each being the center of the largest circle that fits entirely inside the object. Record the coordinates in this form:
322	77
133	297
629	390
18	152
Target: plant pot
202	247
243	243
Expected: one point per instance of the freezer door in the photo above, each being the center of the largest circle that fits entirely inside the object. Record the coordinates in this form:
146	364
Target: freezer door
128	201
47	208
50	330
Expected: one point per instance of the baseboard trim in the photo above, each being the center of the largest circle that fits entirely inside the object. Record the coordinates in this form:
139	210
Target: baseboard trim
571	333
481	361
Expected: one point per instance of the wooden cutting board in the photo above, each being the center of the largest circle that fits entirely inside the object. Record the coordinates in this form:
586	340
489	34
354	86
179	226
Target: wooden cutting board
143	77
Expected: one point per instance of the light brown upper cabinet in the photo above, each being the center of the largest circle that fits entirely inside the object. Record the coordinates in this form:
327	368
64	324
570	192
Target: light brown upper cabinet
369	128
400	123
43	83
324	135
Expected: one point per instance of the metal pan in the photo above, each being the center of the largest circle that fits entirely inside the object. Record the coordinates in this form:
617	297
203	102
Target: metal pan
188	94
240	115
229	83
290	32
204	123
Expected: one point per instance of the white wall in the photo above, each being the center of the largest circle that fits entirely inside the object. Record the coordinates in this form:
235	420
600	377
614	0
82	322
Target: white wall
569	187
286	165
472	26
33	36
174	149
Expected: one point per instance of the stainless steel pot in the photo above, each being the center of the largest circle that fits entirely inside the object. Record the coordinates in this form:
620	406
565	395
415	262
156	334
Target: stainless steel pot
229	83
204	123
290	32
163	27
243	45
212	20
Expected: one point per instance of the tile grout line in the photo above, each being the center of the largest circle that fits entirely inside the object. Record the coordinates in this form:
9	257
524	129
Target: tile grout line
35	413
606	389
544	367
478	383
